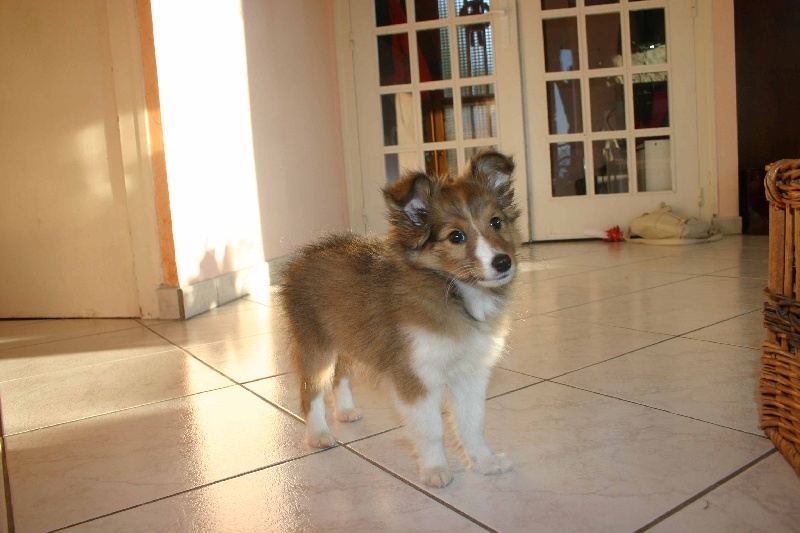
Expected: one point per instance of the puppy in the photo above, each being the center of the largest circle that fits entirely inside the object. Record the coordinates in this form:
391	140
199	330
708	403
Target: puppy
424	310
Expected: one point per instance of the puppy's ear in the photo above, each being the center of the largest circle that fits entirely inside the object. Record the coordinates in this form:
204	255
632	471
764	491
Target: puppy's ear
494	170
408	198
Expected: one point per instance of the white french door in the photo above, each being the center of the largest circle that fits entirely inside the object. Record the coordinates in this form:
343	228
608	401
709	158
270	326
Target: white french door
611	111
435	80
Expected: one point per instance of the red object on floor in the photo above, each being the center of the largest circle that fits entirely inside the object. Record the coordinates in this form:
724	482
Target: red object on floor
613	235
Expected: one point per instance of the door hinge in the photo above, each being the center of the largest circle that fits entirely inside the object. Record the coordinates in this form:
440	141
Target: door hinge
364	217
700	196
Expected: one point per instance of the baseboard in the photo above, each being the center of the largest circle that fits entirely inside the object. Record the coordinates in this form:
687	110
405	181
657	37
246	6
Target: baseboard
728	225
192	300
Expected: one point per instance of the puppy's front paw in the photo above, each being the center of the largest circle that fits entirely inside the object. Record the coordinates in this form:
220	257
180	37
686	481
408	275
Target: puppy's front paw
497	463
348	415
438	476
323	439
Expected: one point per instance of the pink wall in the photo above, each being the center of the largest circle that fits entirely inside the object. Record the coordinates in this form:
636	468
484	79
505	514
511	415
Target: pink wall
297	137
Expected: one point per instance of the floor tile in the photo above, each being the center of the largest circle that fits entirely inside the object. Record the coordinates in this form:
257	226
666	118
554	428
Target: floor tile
747	269
745	330
676	308
27	361
687	264
763	498
69	473
582	461
707	381
375	404
615	254
26	334
534	270
330	491
248	358
546	347
68	395
374	401
205	329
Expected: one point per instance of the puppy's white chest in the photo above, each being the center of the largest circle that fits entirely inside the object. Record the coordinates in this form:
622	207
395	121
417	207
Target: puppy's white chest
437	359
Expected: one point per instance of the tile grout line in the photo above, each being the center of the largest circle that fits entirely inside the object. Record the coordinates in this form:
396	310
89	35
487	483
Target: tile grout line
705	491
193	489
77	336
420	489
763	437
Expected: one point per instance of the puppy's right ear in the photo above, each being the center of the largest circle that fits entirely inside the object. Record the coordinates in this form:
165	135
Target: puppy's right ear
408	198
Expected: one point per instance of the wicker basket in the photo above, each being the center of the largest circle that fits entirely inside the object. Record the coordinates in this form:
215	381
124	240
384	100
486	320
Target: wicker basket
780	360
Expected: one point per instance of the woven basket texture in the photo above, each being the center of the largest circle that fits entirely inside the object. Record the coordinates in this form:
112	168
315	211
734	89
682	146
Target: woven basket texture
780	359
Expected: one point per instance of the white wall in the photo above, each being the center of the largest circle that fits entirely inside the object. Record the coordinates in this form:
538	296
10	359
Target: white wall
65	240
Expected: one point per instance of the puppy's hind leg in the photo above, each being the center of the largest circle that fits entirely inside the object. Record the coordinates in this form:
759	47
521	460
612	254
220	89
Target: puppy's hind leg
345	408
316	376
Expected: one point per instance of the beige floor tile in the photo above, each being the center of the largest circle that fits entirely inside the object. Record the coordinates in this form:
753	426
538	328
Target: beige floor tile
745	330
687	264
68	395
27	361
37	332
330	491
708	381
582	462
676	308
374	401
763	498
546	347
375	405
70	473
530	271
615	254
248	358
748	269
205	329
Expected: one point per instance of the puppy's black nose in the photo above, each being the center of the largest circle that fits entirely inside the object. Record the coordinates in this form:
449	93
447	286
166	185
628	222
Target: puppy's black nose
501	262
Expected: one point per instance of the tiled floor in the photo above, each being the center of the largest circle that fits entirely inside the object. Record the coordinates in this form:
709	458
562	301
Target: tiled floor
628	401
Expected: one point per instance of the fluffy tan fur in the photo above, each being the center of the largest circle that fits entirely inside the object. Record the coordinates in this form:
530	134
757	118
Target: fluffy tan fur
350	299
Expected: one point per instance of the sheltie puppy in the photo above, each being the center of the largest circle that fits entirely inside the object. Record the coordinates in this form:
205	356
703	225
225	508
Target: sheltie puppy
424	311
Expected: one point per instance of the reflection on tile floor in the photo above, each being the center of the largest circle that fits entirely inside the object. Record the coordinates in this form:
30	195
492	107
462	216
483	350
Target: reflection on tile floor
627	400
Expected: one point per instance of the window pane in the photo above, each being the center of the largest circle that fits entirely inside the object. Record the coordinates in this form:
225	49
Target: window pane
438	118
430	9
393	59
650	100
564	109
434	54
478	111
396	164
398	119
607	100
441	162
388	12
465	8
475	50
654	164
610	166
557	4
590	3
567	169
561	44
648	37
604	40
472	150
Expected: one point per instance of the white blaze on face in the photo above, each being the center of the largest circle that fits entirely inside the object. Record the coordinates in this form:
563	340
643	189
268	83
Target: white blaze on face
485	254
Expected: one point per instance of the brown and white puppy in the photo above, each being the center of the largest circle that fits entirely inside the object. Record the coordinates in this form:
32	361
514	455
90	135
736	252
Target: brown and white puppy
424	310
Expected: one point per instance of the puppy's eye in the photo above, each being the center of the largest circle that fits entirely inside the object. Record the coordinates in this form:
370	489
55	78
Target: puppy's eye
457	237
495	223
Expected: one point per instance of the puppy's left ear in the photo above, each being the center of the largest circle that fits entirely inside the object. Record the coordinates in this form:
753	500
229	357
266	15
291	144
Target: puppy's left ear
494	170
